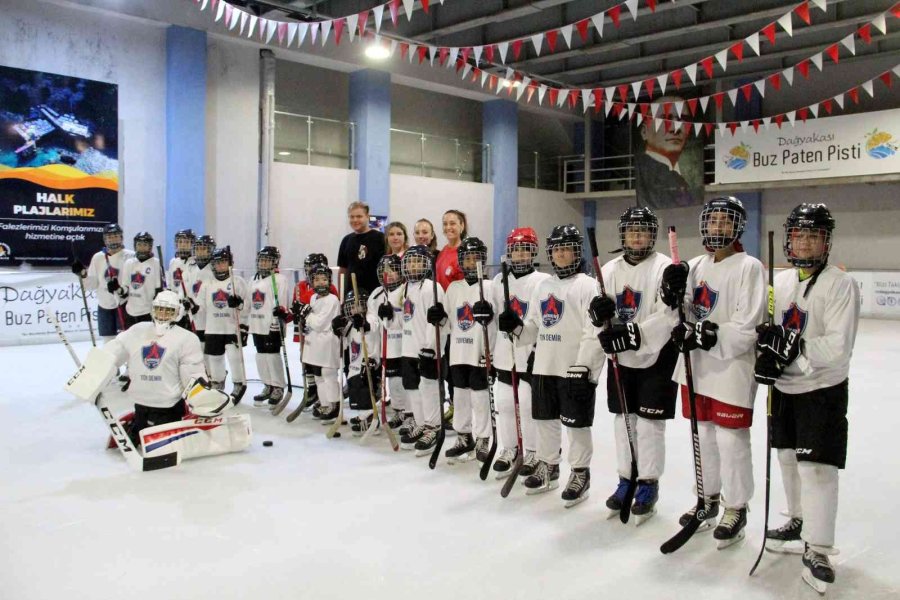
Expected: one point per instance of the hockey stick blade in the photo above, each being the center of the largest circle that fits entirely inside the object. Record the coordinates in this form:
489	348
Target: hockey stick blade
680	539
486	467
276	410
296	413
439	442
511	480
625	511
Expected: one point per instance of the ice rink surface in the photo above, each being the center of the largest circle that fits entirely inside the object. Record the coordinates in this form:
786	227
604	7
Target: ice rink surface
316	518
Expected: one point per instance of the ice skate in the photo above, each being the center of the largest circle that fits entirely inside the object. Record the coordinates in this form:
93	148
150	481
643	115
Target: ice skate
396	419
645	499
578	488
261	398
504	463
528	465
544	479
276	396
482	445
426	442
614	502
786	539
329	413
409	423
238	392
359	426
817	570
408	440
462	451
731	528
712	511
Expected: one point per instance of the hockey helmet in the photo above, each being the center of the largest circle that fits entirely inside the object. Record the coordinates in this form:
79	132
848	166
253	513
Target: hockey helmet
203	249
165	311
416	264
320	278
519	240
807	235
222	257
469	254
316	258
389	272
722	222
112	237
184	243
565	238
143	245
267	260
349	307
642	221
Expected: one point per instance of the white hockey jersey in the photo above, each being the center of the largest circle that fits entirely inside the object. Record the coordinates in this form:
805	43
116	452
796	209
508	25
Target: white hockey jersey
826	319
262	303
732	294
395	327
635	289
193	281
467	336
354	344
98	274
160	367
418	334
214	301
559	326
141	279
175	274
322	347
520	292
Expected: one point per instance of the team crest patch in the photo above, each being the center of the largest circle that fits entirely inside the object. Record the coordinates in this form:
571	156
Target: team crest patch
112	273
177	276
196	287
465	317
137	280
354	350
520	307
220	298
551	310
152	355
258	299
409	310
794	318
628	303
705	299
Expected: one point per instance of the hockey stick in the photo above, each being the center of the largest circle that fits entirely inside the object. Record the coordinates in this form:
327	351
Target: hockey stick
486	466
109	275
87	311
769	423
680	538
384	336
439	442
340	417
129	452
276	410
190	316
237	329
299	410
517	465
625	511
162	278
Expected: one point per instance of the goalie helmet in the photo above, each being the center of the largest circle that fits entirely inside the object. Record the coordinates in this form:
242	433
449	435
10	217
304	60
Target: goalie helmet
222	256
143	245
113	237
203	248
416	263
807	235
184	243
722	222
312	260
320	279
522	250
165	311
643	226
470	252
389	272
267	260
565	237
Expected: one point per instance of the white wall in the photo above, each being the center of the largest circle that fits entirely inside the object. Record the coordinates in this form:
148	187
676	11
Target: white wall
543	210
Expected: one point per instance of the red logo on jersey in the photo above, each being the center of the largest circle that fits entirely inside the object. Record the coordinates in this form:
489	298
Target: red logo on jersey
137	280
409	310
520	307
354	350
177	276
196	287
220	298
152	355
628	303
705	299
551	310
794	318
465	318
258	298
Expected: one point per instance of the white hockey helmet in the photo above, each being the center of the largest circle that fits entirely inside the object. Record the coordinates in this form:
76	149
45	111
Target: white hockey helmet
166	310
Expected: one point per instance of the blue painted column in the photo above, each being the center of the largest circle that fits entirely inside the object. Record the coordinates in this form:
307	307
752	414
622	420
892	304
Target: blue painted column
500	129
370	109
185	132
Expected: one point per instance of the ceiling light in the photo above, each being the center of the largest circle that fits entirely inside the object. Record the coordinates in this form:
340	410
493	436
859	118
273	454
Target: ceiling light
377	52
284	153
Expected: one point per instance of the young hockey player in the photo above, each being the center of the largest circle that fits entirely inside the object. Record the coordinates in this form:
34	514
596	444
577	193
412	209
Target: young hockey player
521	253
102	275
807	357
639	336
726	293
471	401
194	275
180	265
355	329
567	364
385	312
303	293
419	367
223	300
321	352
140	280
268	314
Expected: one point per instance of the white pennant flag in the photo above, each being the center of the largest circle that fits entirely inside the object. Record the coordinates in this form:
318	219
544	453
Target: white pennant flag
244	18
542	89
484	77
477	50
271	28
662	80
732	95
502	84
789	75
697	128
880	23
704	101
721	127
767	121
302	30
656	124
567	35
814	109
598	20
203	6
791	116
622	115
867	85
817	60
235	17
609	91
451	58
744	126
896	70
654	108
432	54
292	33
679	108
352	24
850	44
503	47
760	87
606	108
753	42
722	58
408	7
253	20
326	29
378	13
785	23
509	74
820	4
636	88
220	11
537	40
631	5
639	119
466	70
394	44
691	70
840	100
631	106
563	94
522	87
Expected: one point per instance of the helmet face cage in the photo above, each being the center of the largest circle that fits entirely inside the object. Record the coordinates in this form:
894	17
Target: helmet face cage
267	260
311	261
184	243
349	308
807	235
220	257
469	258
389	272
567	243
113	238
320	279
203	249
721	223
638	237
416	264
143	245
166	309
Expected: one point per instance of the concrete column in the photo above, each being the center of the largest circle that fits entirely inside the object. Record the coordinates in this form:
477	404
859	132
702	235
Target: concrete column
370	109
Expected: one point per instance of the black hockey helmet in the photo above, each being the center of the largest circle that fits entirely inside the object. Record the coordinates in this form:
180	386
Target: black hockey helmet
471	246
320	269
112	237
727	216
316	258
807	235
184	243
389	272
417	263
143	237
267	260
565	236
638	219
203	248
349	306
219	256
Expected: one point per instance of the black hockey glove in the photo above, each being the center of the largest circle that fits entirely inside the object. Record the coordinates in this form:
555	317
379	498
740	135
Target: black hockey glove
767	370
581	388
112	286
302	311
483	312
780	343
510	322
386	311
78	268
373	366
245	333
674	284
601	310
339	325
235	301
436	315
359	322
190	306
701	336
281	313
621	338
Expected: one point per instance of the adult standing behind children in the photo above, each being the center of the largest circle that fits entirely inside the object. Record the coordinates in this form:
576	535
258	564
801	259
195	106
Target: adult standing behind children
455	231
361	250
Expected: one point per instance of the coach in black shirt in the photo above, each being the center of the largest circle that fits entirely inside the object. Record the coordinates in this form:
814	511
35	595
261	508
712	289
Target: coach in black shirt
361	250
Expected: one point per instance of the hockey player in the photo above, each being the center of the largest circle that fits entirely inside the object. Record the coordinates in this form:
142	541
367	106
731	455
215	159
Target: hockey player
807	357
195	273
223	300
303	293
321	352
385	312
726	292
181	264
521	252
469	314
268	314
567	364
639	335
419	367
139	280
102	275
352	326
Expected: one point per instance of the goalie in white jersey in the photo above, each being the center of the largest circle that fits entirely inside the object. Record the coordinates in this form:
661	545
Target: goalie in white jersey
806	355
268	314
725	289
385	311
567	364
639	336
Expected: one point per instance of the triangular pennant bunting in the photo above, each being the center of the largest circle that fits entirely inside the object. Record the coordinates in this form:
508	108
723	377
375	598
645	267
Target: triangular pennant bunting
785	23
567	35
378	13
598	21
662	80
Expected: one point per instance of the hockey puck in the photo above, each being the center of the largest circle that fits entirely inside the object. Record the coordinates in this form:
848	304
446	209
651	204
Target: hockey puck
337	434
268	443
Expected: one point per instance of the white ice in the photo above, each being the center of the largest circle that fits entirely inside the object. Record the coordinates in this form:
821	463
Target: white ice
316	518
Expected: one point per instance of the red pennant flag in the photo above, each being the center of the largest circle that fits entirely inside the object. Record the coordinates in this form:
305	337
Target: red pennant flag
551	39
854	95
465	53
833	52
598	99
803	67
489	53
617	108
775	80
666	109
755	124
667	125
708	128
582	26
509	91
779	119
652	5
886	78
422	51
803	113
395	10
614	13
476	73
692	106
747	90
404	49
707	64
492	82
443	53
572	99
460	63
803	12
623	92
517	48
530	91
769	32
865	32
650	84
895	9
732	127
676	78
718	99
827	105
554	96
338	30
645	110
363	20
425	6
738	50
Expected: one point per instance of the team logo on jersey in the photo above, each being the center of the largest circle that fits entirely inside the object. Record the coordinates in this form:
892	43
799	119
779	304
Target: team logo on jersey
705	299
195	289
628	303
220	298
520	307
258	298
794	318
354	350
409	310
177	276
112	273
363	252
137	280
551	310
465	318
152	355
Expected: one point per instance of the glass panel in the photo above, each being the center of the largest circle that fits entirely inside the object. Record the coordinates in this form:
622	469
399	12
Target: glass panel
416	153
301	139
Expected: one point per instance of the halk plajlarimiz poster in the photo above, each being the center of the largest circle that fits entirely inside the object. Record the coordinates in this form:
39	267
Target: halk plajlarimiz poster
59	166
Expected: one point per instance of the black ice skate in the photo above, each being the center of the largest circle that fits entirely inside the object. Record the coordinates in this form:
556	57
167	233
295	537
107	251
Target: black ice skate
712	511
329	413
817	570
786	539
462	451
427	441
409	423
317	411
359	425
544	478
645	499
614	502
481	449
261	398
276	397
504	463
731	528
578	488
528	464
238	392
396	419
408	440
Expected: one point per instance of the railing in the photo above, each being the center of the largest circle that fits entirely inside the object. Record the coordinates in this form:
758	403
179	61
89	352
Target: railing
308	140
540	171
428	155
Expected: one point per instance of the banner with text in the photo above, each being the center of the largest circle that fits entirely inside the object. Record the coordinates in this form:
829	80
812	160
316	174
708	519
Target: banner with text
845	146
27	300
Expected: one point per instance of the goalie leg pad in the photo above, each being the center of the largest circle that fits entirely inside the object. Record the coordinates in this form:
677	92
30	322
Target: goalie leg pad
202	436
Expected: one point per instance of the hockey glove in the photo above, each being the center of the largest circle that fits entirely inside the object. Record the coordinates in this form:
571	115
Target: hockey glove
601	310
302	312
700	336
780	343
581	388
483	312
510	322
767	370
436	315
112	286
339	325
359	322
190	306
674	284
245	333
78	268
281	313
386	311
621	338
235	301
